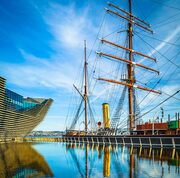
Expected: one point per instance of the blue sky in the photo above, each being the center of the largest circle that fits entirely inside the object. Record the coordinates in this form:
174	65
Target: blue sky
41	49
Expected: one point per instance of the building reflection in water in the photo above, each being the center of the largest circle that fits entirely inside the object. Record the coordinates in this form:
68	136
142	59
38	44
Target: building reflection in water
21	160
140	161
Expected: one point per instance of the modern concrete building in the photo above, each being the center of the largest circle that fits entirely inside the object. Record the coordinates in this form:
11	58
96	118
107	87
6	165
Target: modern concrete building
19	115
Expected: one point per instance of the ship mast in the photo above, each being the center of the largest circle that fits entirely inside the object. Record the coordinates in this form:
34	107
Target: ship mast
130	82
84	101
131	78
85	89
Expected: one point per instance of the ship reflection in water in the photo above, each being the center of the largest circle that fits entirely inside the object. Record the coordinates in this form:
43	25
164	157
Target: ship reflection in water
86	160
112	161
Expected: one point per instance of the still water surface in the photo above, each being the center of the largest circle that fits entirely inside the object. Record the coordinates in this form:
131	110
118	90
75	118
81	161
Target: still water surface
62	160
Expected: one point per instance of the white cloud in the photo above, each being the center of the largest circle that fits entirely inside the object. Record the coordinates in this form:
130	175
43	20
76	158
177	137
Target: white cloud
37	72
69	26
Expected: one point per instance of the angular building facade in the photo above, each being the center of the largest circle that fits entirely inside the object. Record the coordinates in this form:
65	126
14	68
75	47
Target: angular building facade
19	115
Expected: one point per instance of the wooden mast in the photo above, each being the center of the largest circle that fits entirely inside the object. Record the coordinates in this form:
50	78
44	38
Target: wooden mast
131	79
130	82
85	89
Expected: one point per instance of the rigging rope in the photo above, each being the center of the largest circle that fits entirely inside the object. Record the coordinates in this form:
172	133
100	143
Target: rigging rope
118	111
171	96
160	103
76	116
159	52
160	39
166	5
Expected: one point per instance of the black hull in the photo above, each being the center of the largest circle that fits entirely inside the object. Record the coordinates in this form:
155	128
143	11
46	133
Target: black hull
170	141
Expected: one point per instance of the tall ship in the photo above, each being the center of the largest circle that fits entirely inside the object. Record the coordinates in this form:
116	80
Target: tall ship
19	115
136	73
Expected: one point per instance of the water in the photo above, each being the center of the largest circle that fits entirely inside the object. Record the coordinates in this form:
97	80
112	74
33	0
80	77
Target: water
63	160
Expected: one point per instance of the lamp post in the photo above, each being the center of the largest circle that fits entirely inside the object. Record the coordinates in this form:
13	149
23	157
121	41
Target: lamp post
153	122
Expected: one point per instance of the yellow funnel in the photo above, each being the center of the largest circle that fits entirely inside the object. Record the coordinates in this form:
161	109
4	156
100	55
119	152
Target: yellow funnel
106	117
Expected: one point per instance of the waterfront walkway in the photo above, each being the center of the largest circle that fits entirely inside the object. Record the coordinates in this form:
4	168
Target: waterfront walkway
146	141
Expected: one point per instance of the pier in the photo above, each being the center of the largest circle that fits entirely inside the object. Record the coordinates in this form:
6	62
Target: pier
43	139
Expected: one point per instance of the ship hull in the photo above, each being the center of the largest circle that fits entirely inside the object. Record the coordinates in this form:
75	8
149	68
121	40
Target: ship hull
172	141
